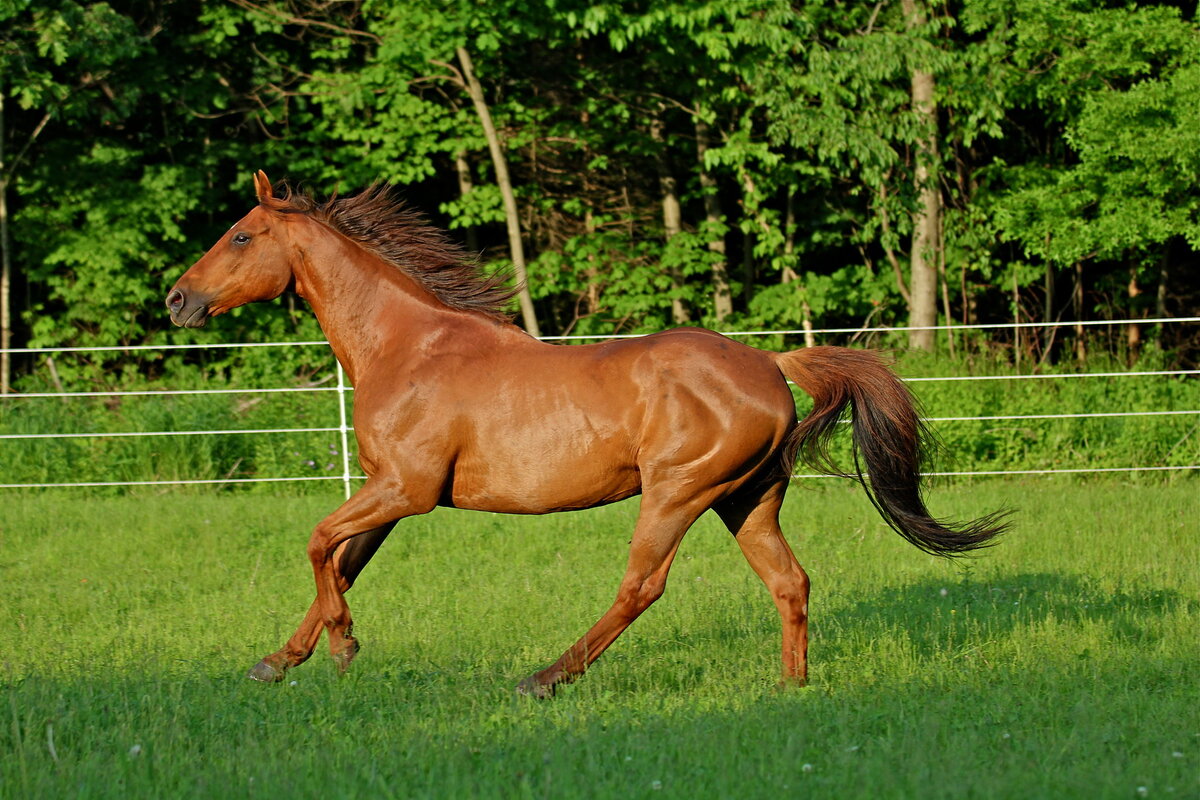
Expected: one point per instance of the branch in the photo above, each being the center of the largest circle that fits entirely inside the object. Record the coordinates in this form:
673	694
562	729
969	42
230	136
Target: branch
456	76
11	169
891	255
672	101
871	22
290	19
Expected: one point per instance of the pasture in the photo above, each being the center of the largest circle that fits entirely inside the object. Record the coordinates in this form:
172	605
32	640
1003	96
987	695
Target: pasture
1061	663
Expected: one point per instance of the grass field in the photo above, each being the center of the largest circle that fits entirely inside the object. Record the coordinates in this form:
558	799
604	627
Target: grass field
1062	663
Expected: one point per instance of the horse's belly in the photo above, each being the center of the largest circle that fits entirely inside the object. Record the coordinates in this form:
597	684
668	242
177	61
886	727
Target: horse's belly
540	482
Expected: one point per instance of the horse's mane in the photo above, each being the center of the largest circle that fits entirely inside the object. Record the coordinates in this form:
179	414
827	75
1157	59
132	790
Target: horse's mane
381	223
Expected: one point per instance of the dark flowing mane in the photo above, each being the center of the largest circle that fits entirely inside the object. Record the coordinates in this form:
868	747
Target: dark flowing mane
380	222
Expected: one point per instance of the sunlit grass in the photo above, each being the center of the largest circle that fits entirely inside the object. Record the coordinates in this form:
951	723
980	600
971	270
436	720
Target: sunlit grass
1062	663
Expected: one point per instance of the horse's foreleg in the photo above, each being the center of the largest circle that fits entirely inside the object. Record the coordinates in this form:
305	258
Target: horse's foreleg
655	541
339	548
348	562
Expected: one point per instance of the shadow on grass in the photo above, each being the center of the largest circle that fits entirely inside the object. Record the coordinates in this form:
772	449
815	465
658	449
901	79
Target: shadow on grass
920	625
932	610
1001	604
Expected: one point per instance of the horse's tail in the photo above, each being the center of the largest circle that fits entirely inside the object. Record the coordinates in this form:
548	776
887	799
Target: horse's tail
889	435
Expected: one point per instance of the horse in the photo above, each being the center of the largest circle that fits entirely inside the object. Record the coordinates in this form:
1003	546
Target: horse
457	406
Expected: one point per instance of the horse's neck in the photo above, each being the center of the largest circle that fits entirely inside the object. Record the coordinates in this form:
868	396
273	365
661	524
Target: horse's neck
363	304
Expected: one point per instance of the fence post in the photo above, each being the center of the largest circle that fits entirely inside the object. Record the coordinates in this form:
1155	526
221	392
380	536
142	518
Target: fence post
343	428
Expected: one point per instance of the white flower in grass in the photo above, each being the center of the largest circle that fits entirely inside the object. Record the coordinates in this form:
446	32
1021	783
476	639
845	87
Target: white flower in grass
135	751
806	767
655	785
1142	791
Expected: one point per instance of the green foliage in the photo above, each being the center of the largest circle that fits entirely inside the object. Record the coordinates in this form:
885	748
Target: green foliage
1125	85
1066	136
85	268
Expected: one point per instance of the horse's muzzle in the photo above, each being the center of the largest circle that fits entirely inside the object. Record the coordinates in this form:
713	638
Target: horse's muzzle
187	312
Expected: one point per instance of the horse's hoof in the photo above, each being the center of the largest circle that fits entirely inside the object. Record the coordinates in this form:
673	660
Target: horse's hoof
531	687
264	672
342	658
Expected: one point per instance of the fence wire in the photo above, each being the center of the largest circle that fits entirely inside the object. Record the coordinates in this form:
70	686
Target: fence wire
343	389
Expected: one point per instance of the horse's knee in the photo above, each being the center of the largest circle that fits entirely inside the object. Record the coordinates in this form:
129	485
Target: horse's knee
319	549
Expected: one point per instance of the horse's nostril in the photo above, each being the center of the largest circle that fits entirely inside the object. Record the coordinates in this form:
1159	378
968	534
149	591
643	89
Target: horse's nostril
175	300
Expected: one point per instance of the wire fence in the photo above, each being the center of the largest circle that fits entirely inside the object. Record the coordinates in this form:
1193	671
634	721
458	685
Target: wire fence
343	429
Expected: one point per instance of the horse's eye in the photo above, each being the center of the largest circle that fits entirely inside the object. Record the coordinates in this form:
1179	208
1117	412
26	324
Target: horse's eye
241	238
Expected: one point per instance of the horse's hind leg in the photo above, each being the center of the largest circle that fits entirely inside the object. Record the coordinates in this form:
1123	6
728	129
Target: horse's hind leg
660	527
753	519
348	561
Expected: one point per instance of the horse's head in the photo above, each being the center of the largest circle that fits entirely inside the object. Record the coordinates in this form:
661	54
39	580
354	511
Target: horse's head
250	262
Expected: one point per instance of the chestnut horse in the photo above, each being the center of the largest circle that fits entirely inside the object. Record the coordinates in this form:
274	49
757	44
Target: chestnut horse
456	406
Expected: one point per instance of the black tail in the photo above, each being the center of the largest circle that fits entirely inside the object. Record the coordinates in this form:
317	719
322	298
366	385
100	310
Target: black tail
889	438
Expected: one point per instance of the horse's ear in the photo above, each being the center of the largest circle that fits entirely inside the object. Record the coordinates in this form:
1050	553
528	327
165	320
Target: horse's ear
262	188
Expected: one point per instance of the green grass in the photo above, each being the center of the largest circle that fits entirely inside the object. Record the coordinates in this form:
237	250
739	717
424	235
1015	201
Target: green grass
1062	663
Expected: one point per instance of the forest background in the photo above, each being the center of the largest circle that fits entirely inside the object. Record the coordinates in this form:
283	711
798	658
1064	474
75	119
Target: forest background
741	164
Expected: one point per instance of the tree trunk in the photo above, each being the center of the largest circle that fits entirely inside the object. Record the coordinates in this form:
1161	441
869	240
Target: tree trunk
751	207
5	294
516	248
1077	307
945	283
1016	301
748	268
886	227
1133	331
1164	278
1048	312
926	218
465	186
722	293
789	272
672	215
5	268
590	272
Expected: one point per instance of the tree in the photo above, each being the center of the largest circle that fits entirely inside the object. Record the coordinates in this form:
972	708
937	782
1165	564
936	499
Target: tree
733	162
500	164
57	62
1122	88
926	219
